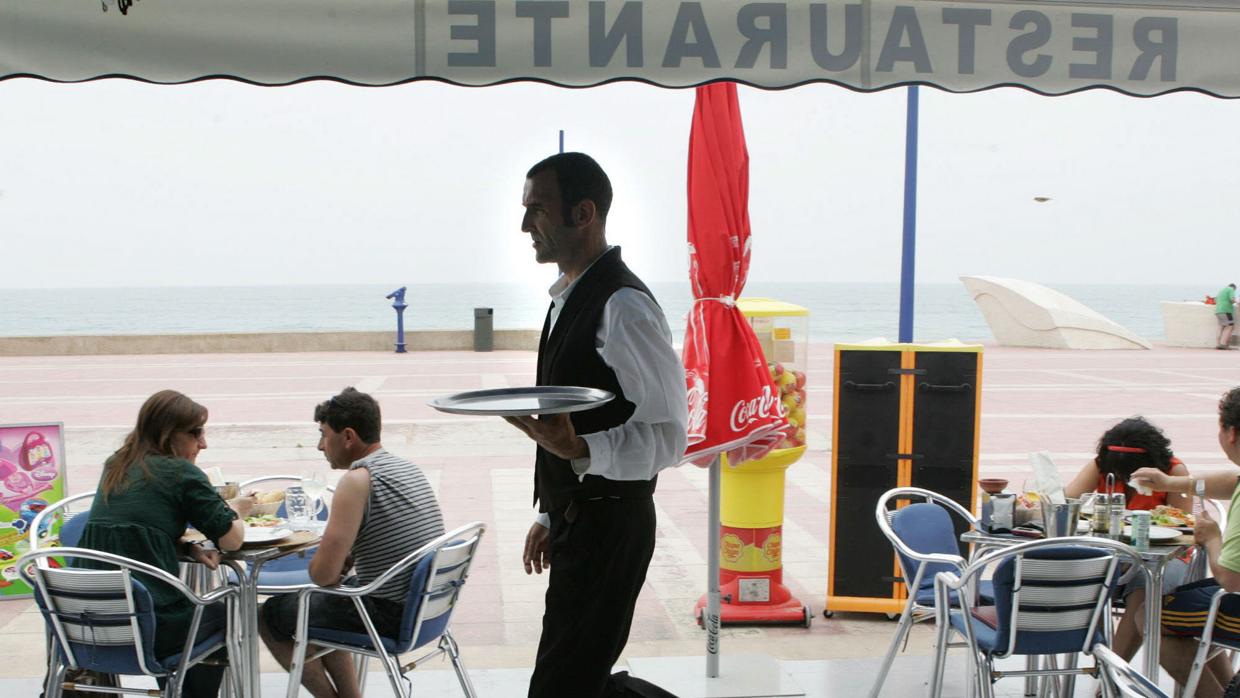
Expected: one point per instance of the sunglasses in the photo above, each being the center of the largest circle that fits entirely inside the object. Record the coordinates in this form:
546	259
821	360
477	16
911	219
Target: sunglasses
196	432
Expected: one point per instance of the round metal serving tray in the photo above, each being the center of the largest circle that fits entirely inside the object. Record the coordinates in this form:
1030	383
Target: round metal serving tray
516	402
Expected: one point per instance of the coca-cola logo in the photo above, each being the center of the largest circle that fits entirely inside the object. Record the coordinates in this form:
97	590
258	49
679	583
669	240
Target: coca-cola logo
746	412
697	399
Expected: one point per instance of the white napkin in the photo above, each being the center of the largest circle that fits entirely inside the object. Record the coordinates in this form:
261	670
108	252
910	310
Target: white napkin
1046	477
215	476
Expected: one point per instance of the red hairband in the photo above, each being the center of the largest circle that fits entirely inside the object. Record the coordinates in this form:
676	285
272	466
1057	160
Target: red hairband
1126	449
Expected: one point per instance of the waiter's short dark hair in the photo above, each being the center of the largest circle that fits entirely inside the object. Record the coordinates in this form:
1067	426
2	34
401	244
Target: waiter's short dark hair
351	409
579	178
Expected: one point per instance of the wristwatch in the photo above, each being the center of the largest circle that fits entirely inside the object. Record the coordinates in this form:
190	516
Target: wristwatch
1199	487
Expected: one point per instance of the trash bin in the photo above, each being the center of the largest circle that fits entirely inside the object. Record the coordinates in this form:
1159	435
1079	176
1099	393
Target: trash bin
483	332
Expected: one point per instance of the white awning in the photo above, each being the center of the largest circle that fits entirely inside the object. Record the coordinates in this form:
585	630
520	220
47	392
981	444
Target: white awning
1138	47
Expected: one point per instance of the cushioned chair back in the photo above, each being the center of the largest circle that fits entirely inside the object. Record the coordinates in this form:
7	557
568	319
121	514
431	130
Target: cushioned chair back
926	528
72	528
434	586
102	620
1048	599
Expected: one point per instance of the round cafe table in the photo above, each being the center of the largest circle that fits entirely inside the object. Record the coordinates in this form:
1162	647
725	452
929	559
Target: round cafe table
246	563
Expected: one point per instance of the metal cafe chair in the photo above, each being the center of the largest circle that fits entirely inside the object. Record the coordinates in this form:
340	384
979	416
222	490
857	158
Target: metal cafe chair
1209	645
438	571
105	621
924	537
1051	597
74	511
1120	680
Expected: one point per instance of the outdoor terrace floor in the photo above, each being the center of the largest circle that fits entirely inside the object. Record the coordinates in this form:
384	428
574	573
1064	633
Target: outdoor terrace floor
261	407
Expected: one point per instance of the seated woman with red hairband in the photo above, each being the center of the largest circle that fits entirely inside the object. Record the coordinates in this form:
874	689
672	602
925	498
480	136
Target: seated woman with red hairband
1134	443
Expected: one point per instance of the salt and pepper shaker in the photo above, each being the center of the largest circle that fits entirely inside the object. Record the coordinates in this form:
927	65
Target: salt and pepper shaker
1100	524
1116	502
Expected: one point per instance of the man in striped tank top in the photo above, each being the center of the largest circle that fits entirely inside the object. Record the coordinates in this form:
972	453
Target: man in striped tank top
383	510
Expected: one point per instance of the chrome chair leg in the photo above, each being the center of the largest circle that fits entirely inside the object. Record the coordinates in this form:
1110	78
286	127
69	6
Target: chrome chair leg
1199	665
454	654
1031	682
55	679
360	664
906	622
392	666
940	659
1069	681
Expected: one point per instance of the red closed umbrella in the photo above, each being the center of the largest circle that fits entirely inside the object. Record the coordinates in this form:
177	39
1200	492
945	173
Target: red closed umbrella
733	406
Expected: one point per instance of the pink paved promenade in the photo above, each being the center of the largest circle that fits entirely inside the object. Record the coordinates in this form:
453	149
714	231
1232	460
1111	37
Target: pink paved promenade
261	406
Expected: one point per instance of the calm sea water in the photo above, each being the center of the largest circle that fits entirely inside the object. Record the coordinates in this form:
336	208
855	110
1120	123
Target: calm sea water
839	312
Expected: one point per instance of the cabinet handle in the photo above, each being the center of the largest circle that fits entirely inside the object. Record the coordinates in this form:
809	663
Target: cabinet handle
930	388
869	387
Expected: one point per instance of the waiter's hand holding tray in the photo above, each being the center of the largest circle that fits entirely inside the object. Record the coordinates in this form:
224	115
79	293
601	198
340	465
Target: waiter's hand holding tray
523	402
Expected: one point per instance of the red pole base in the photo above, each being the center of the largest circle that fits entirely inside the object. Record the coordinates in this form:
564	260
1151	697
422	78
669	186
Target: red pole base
781	609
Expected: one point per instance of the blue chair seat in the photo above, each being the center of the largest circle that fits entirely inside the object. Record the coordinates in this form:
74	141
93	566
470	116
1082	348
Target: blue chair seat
985	594
344	637
208	644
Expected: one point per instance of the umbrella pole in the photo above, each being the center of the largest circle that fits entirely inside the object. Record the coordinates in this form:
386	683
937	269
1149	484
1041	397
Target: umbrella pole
711	618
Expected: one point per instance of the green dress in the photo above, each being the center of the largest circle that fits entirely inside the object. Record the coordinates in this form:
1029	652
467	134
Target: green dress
145	522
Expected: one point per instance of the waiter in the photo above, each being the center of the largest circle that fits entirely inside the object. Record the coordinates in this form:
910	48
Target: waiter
595	471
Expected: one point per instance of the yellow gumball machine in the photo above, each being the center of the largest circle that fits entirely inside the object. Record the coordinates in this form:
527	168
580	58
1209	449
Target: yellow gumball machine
752	494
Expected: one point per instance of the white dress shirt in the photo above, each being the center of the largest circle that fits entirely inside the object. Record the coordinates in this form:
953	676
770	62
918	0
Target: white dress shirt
634	340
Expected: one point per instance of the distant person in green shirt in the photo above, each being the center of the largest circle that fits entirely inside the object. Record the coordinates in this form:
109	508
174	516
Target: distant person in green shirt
1185	609
1224	310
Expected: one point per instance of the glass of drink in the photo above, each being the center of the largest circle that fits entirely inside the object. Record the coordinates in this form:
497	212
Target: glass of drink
314	484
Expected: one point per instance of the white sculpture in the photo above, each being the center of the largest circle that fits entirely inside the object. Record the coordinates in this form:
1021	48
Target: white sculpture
1025	314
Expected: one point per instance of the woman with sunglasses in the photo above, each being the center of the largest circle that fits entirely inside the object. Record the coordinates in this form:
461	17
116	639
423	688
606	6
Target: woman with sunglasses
149	492
1131	444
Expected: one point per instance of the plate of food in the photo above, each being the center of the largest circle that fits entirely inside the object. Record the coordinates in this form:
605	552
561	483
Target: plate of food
1171	517
266	528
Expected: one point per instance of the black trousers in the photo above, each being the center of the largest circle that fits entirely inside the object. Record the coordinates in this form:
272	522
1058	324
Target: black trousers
600	553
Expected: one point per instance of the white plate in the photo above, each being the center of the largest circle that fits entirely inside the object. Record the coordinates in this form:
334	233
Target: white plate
517	402
262	534
1157	533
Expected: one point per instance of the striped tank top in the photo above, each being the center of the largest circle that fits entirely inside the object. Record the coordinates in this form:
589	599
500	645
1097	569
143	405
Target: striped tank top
401	516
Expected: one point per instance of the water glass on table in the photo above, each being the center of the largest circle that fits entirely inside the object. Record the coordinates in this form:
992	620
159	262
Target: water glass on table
300	508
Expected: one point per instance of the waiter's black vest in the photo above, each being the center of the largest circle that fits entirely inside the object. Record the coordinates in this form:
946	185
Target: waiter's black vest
569	357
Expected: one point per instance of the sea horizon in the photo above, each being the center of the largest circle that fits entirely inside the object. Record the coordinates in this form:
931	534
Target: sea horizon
839	311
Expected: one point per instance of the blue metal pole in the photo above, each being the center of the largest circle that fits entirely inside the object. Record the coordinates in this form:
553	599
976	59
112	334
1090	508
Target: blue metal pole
908	257
561	140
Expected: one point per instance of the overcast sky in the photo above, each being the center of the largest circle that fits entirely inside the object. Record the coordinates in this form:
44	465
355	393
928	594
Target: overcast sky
125	184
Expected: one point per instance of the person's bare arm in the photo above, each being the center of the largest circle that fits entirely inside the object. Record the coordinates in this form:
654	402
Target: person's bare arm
1085	481
236	533
1218	485
1207	534
348	507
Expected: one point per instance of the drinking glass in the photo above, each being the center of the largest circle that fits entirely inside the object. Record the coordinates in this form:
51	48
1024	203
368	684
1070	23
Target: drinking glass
298	506
314	484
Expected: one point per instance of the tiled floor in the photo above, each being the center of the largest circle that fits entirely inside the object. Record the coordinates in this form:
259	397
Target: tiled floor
261	408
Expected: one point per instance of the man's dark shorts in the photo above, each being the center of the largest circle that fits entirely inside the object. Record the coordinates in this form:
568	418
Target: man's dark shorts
279	613
1185	610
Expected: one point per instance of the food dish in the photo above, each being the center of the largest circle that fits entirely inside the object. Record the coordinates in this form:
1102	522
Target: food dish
1171	517
264	521
254	534
519	402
